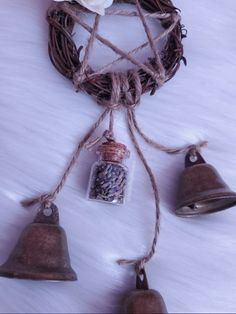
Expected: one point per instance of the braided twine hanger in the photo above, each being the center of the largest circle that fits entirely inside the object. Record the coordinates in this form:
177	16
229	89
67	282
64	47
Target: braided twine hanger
118	90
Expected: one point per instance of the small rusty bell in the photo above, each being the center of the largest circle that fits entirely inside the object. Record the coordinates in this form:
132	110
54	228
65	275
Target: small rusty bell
144	300
201	189
41	252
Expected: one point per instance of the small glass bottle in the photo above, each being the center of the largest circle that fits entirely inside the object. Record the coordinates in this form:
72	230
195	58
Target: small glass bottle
108	179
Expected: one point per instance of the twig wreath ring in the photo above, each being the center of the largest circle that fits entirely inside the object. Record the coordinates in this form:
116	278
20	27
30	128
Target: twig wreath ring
116	89
42	251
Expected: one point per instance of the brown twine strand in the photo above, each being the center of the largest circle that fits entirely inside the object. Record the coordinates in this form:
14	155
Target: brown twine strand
156	39
108	135
81	74
117	90
78	77
139	263
152	43
163	148
132	126
47	199
135	14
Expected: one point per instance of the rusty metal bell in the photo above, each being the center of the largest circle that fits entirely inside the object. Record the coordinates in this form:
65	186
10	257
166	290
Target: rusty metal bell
144	300
201	189
41	252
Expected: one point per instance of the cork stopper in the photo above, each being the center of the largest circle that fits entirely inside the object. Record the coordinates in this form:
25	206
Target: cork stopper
112	151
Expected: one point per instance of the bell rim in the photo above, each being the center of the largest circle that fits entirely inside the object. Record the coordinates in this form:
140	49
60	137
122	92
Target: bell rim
37	276
231	196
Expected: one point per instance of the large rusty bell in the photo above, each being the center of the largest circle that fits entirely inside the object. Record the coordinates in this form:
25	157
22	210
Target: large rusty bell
144	300
41	252
201	189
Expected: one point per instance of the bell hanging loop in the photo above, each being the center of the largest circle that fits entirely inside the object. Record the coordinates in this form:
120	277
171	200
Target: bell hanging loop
141	280
201	189
41	252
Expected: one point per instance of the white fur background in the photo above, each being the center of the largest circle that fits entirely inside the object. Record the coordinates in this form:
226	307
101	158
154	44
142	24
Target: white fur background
42	119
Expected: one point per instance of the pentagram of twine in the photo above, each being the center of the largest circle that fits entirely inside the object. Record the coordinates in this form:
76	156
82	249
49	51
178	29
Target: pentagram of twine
122	90
147	76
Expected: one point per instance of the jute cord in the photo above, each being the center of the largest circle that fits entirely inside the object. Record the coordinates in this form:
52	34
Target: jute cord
117	90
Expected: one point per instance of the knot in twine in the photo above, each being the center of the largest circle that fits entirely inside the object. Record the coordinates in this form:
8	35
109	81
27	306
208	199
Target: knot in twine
196	148
125	90
44	200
